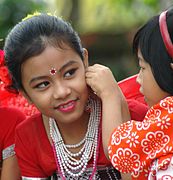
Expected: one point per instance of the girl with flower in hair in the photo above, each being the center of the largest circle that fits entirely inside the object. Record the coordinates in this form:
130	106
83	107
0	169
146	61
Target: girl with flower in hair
50	68
10	97
145	149
9	119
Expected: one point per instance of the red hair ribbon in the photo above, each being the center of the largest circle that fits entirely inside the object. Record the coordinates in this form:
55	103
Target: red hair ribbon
165	34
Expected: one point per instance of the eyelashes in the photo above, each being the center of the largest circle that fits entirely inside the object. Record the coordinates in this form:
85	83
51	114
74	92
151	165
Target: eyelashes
70	73
66	76
41	85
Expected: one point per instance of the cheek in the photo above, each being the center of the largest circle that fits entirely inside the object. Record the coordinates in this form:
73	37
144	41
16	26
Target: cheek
82	87
81	81
40	99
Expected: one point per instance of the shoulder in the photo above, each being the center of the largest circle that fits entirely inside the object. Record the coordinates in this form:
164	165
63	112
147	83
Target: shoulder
163	109
11	113
10	118
28	134
166	102
30	123
165	105
31	128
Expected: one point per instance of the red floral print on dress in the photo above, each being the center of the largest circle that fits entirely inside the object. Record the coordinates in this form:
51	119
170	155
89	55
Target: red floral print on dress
142	125
164	123
150	140
153	115
132	139
122	132
127	161
154	143
163	164
168	105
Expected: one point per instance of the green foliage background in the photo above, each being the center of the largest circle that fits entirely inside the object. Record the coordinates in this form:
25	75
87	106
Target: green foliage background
105	27
12	11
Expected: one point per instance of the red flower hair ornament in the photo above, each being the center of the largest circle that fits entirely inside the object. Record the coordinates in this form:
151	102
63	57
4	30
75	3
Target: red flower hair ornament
12	98
5	78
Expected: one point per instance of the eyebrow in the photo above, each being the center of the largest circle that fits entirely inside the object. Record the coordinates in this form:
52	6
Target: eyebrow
63	67
66	65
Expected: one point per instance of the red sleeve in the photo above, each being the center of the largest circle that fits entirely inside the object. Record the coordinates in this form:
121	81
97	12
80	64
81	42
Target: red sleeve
135	100
137	109
9	119
26	150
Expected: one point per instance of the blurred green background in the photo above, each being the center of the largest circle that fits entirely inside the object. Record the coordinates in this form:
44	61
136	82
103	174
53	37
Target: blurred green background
105	27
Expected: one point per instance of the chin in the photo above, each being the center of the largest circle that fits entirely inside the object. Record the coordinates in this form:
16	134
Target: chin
145	99
149	103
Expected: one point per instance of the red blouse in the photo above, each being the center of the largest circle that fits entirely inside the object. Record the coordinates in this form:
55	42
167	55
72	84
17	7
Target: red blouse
34	151
9	119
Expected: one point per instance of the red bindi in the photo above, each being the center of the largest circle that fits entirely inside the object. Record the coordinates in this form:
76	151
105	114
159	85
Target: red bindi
53	71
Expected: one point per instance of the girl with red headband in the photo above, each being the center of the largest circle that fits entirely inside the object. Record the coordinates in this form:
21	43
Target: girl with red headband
145	149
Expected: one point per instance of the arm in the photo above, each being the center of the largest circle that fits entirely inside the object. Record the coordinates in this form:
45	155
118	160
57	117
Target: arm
10	169
115	108
134	145
126	176
12	117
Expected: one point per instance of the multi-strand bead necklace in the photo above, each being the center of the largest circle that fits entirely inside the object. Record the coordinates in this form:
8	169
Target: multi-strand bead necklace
75	164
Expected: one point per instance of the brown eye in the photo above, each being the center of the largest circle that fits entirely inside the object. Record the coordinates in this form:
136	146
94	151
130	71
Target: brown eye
70	73
42	85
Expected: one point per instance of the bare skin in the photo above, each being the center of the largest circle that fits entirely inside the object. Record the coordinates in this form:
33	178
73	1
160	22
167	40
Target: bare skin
102	81
10	169
126	176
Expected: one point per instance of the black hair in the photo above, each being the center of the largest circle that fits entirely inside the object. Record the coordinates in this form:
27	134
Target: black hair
30	37
149	40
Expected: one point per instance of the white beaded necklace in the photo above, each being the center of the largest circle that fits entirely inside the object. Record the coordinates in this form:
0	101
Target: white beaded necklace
68	164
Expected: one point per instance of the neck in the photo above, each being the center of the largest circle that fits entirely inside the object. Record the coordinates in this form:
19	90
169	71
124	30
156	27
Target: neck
74	132
71	133
74	160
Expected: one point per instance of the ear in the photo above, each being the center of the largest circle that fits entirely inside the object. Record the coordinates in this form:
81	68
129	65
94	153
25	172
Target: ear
26	96
85	54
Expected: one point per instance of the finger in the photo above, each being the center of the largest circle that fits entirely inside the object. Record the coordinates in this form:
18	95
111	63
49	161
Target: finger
91	74
90	84
94	67
90	69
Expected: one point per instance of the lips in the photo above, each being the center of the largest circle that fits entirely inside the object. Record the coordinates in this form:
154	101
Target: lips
67	107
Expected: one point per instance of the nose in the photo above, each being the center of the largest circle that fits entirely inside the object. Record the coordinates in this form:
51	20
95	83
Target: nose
61	91
138	78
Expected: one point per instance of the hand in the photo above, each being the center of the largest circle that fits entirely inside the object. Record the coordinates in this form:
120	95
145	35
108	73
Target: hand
101	80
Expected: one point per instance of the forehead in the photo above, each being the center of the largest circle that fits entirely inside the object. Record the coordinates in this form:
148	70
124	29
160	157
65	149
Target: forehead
140	57
50	57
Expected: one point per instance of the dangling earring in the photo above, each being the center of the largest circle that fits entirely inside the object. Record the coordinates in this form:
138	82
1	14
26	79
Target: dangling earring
88	105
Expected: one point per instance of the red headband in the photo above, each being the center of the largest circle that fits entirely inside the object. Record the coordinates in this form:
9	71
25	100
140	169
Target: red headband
165	34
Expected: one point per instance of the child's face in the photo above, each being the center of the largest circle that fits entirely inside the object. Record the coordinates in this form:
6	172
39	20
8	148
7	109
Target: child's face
149	87
61	95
